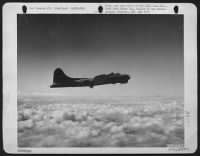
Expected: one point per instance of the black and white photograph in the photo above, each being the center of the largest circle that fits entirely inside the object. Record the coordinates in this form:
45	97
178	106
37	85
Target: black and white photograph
114	78
90	80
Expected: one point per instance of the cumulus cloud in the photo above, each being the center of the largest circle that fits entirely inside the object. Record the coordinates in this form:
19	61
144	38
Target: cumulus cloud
70	124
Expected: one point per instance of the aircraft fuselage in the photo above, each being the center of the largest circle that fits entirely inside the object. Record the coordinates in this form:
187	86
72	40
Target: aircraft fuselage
61	80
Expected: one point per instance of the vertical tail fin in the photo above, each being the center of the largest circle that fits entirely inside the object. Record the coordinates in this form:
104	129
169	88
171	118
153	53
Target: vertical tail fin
59	76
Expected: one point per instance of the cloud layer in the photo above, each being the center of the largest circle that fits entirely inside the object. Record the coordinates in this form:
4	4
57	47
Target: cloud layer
108	124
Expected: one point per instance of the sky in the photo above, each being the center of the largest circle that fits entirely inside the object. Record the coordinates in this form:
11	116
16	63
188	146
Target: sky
147	47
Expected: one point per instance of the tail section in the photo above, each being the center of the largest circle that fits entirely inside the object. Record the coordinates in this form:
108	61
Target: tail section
59	77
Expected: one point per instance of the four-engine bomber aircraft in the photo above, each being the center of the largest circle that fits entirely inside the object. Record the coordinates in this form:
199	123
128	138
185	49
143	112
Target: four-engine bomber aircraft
62	80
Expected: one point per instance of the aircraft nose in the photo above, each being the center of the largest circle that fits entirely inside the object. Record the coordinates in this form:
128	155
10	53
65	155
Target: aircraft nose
128	76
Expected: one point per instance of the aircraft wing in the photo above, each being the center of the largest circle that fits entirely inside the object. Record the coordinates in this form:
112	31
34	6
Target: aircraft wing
83	80
100	79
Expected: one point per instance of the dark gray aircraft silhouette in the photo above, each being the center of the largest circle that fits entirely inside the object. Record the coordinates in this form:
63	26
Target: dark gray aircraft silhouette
62	80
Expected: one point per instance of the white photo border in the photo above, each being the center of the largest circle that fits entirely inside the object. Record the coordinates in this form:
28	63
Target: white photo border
10	11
